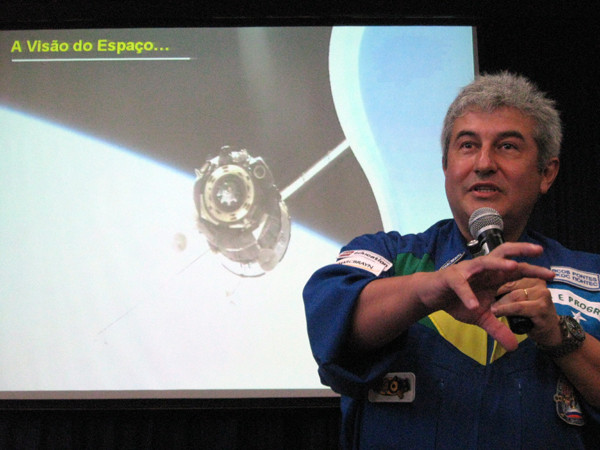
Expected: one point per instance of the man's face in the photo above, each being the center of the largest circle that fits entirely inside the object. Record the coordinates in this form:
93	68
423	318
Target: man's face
493	162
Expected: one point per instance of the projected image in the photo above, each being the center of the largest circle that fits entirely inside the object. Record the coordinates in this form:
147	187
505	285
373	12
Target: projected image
165	195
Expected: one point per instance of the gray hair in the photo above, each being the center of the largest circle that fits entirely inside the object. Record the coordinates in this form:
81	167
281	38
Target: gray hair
490	92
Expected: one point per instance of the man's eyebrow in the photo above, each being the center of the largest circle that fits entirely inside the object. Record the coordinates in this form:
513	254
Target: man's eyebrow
501	135
511	133
462	133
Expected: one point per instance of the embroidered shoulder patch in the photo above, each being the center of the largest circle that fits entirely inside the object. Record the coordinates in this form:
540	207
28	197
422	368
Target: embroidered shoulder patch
588	307
578	278
364	259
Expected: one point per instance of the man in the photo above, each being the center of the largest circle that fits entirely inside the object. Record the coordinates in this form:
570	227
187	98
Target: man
412	331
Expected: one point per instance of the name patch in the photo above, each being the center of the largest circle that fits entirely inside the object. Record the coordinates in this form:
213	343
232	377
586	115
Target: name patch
578	278
364	259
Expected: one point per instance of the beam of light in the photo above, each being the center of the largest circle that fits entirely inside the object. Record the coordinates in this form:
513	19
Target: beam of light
314	169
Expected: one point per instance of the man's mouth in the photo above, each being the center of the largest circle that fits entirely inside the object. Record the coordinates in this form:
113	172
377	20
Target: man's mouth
484	189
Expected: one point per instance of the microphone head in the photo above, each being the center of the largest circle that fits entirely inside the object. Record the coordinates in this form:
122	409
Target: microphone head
484	219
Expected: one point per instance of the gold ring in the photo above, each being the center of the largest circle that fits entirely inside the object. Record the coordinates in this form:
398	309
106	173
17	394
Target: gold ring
526	294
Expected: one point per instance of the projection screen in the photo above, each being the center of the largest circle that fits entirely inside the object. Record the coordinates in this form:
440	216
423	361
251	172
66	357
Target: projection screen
166	193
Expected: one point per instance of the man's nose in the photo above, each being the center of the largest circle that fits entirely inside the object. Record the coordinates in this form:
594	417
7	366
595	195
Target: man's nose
485	161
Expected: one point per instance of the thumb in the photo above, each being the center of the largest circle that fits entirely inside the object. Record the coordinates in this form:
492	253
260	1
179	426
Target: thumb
499	331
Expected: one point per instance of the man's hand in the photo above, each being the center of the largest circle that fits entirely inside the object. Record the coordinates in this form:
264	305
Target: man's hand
468	290
530	297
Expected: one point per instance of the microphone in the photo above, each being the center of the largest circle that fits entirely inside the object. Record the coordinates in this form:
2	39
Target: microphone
486	226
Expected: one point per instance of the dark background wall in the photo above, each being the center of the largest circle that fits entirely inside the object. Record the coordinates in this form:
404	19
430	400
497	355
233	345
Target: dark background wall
555	44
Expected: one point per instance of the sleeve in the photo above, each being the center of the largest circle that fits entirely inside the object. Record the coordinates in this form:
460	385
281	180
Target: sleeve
576	292
329	299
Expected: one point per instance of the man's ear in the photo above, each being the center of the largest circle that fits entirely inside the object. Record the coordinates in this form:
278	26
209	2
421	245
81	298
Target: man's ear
549	174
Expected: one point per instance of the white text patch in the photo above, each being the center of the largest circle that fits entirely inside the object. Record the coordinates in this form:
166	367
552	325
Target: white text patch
364	259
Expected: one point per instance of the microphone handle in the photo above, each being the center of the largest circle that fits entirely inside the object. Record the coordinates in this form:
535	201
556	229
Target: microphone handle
518	324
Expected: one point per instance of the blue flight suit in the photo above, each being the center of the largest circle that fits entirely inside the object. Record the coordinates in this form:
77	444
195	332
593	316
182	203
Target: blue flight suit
468	391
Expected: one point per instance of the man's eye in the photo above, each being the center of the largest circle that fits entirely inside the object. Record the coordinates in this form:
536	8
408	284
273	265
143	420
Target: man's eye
508	146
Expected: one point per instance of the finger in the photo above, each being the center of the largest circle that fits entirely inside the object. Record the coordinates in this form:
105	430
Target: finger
511	308
499	331
518	249
506	270
506	288
517	303
511	297
531	271
462	289
526	270
514	295
523	249
504	299
525	289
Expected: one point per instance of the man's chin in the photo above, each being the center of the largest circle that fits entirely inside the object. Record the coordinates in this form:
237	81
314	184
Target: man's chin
474	206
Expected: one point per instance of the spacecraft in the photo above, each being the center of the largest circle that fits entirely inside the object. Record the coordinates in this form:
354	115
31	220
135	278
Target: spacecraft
242	213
